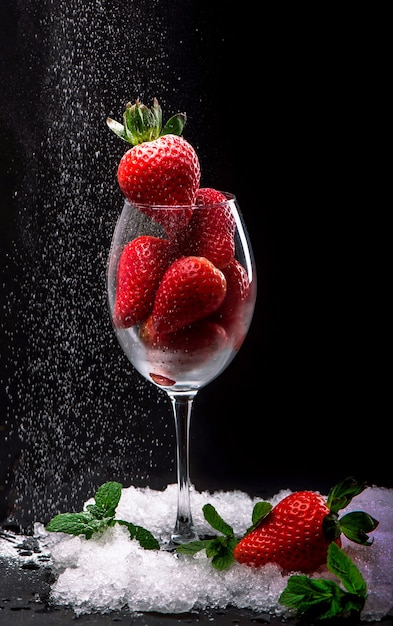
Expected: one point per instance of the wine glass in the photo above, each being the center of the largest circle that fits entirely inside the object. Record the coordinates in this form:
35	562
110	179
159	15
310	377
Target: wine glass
180	335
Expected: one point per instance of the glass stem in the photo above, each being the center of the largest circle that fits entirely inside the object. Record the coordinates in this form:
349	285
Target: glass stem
184	530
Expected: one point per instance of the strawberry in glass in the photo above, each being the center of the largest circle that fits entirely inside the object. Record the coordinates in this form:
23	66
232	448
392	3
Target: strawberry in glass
181	274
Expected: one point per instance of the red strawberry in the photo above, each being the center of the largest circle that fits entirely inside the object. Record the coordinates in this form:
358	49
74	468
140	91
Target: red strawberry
208	195
173	355
211	230
290	536
297	532
236	310
192	288
238	287
142	264
160	172
201	337
161	168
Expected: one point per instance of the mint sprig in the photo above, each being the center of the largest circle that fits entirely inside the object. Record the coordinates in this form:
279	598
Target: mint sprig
220	548
319	598
99	517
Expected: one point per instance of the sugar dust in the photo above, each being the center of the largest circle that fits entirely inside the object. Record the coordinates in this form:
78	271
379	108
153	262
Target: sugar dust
73	401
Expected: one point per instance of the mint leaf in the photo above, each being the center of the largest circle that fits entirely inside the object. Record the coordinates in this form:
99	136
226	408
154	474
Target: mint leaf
76	524
345	569
94	511
322	599
96	518
314	598
193	547
219	549
100	516
145	537
107	498
215	520
303	592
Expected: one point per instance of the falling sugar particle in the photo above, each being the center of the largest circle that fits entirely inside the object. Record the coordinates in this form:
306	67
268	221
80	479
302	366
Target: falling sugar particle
72	389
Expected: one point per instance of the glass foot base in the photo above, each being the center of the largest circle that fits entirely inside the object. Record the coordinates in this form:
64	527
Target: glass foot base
178	539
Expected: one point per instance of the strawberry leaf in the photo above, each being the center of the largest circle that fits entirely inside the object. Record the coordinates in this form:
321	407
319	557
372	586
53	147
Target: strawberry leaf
141	123
341	495
261	509
174	125
356	525
331	526
117	128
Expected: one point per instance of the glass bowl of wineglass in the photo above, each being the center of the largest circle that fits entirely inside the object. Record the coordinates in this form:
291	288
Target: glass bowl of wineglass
181	292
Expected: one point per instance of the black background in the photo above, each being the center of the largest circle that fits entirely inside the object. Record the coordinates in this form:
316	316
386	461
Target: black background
287	111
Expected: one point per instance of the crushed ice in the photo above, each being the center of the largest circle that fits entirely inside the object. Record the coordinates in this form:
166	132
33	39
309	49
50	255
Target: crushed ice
111	571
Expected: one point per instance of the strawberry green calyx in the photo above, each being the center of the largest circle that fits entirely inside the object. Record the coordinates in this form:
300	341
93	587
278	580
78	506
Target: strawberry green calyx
341	495
355	525
141	123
